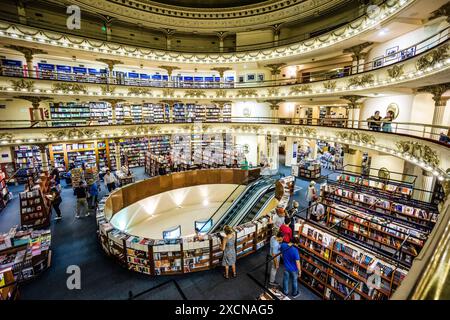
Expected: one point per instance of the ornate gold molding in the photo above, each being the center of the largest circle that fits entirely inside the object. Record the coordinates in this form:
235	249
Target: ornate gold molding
435	56
247	92
273	91
366	79
107	89
300	89
418	150
396	71
73	133
66	87
139	90
330	85
356	136
221	93
195	94
20	84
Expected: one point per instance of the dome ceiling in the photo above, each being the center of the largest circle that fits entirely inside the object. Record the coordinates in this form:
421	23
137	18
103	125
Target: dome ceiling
209	4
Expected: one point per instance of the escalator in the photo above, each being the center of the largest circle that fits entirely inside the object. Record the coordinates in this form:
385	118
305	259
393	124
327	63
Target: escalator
258	207
248	204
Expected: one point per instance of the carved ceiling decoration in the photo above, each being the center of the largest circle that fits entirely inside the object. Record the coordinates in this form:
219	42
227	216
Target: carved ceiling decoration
347	31
203	15
356	136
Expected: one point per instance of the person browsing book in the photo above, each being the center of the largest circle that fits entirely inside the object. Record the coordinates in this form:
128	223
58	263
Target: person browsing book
82	204
275	242
292	268
286	230
229	251
110	180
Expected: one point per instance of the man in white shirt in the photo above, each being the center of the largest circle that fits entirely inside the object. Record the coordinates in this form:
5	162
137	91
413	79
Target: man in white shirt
110	180
318	213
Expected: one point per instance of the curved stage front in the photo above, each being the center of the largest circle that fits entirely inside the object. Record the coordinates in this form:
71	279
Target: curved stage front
131	221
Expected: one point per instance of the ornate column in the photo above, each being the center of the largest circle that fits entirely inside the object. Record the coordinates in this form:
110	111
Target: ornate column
169	70
426	184
220	104
440	102
107	22
169	35
276	30
274	106
221	35
275	69
36	111
110	63
352	104
44	158
221	71
117	154
113	103
358	56
28	53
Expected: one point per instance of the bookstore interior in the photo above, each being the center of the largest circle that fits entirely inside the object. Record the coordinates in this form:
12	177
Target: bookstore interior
140	142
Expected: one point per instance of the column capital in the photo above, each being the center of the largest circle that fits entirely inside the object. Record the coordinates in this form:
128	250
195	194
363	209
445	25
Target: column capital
437	91
110	62
352	101
356	51
221	34
221	103
113	102
274	103
169	69
275	68
221	70
168	32
35	100
276	28
26	51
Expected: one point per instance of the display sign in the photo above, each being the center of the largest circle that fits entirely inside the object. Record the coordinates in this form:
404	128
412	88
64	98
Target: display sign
46	66
156	77
133	75
198	79
79	70
172	234
203	226
11	63
144	76
65	69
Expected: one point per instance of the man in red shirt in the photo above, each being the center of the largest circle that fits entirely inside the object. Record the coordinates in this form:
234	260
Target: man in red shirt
287	231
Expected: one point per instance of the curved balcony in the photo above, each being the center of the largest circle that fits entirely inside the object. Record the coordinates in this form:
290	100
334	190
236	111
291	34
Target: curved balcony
425	58
249	54
424	145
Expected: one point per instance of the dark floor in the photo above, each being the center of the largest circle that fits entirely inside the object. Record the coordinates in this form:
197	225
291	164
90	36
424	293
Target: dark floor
74	242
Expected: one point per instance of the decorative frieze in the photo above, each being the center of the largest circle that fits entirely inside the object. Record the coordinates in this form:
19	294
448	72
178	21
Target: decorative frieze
73	133
418	150
273	91
329	85
107	89
21	84
247	93
221	93
396	71
356	136
195	94
304	88
139	91
438	55
66	87
366	79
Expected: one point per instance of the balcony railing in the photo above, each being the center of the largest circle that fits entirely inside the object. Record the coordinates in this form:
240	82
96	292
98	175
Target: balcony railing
330	72
440	134
119	38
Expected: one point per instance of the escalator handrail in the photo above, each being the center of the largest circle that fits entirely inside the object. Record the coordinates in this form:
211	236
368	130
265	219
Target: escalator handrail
233	205
251	203
260	209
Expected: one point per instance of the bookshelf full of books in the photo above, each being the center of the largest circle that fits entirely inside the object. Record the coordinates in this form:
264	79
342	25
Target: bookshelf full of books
34	208
338	269
175	256
4	192
99	113
389	187
308	169
27	160
93	153
23	256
